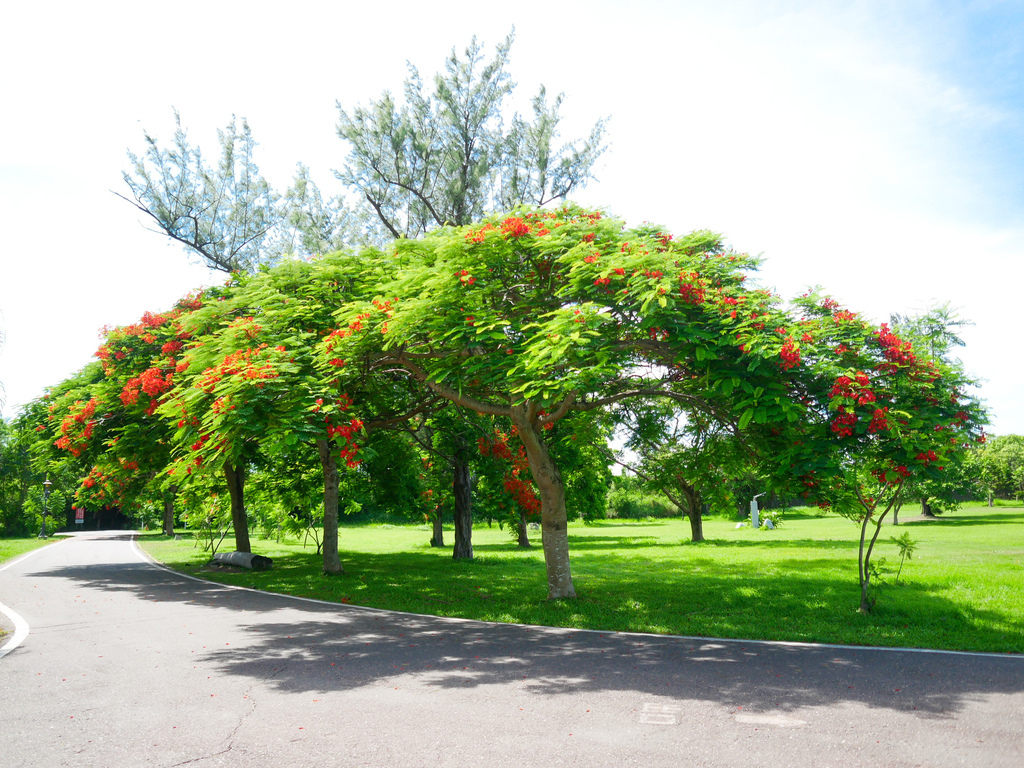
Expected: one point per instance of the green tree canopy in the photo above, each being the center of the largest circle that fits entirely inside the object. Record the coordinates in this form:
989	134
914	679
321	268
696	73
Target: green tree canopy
445	157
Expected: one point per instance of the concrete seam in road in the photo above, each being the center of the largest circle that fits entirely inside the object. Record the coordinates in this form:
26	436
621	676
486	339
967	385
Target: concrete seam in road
776	643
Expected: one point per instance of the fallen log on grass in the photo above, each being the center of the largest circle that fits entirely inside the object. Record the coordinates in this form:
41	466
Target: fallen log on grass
244	560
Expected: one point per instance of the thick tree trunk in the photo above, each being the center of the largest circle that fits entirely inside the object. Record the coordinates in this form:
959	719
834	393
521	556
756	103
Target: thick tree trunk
463	493
523	540
926	508
554	521
696	525
332	561
168	525
235	477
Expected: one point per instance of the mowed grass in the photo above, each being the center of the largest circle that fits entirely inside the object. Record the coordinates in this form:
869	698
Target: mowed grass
12	548
963	589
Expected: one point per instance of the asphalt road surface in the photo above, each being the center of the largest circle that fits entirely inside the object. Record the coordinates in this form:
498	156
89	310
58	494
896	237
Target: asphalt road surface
128	664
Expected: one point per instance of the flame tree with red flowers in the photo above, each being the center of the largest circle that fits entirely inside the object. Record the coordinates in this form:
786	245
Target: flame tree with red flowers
541	313
251	387
115	424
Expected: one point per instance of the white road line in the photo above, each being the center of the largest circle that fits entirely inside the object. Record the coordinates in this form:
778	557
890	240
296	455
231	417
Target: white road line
20	630
21	627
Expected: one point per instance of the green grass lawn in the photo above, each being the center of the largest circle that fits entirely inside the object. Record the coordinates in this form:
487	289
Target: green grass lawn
963	589
12	548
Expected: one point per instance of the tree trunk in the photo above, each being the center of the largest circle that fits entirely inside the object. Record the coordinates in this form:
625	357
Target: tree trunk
462	491
864	555
990	498
523	540
169	510
332	561
693	502
926	508
437	537
554	521
235	477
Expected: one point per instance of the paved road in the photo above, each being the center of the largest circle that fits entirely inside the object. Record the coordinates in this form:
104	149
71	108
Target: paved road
128	664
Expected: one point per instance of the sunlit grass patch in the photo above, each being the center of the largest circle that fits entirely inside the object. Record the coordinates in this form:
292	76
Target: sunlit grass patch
960	590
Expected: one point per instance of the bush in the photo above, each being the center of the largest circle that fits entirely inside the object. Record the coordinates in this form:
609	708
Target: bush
629	499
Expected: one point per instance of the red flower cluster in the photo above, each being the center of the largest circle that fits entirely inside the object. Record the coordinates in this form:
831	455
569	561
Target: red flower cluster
152	381
879	421
892	476
842	425
478	235
222	405
894	349
244	363
656	334
519	489
77	427
346	432
514	227
192	301
843	316
790	354
691	294
247	327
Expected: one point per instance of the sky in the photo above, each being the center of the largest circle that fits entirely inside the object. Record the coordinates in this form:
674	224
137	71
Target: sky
872	148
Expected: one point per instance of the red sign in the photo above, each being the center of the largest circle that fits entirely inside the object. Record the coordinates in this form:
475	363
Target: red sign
79	515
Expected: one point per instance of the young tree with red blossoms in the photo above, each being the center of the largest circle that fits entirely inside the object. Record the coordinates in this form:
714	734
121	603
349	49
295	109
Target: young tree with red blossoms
880	415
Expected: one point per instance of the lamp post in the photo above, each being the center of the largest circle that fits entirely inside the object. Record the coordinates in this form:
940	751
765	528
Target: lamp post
46	495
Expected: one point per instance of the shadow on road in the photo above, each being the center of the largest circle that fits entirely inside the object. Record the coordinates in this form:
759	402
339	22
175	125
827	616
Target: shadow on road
300	646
